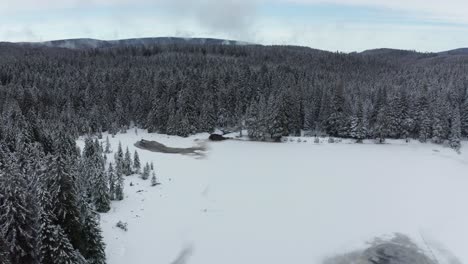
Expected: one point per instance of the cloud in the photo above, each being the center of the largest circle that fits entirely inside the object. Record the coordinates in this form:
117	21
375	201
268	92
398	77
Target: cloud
246	20
447	10
218	16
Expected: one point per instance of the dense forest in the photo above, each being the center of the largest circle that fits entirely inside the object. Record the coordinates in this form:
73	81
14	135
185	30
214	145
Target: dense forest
51	192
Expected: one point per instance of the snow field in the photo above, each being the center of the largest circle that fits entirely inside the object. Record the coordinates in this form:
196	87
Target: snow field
254	202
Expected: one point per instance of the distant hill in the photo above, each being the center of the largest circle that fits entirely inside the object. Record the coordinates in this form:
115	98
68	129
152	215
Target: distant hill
462	51
385	51
86	43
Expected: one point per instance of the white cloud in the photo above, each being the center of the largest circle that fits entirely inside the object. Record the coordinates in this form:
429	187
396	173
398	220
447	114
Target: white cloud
239	19
448	10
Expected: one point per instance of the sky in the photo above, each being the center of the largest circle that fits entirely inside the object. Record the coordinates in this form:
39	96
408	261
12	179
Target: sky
334	25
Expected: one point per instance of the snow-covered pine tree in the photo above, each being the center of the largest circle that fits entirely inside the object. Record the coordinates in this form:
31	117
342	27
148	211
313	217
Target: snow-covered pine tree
101	192
94	167
127	163
336	121
359	124
107	148
146	172
94	246
19	227
154	181
277	118
424	126
55	247
464	117
119	156
119	182
256	122
112	181
437	129
381	128
136	163
60	181
455	130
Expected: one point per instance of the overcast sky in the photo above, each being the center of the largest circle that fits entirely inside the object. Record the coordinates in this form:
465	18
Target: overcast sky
343	25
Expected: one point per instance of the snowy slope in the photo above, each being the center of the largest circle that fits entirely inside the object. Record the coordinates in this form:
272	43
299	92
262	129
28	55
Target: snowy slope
253	202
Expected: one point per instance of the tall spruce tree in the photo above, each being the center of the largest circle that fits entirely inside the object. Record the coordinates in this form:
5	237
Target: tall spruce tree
136	163
455	130
19	227
127	163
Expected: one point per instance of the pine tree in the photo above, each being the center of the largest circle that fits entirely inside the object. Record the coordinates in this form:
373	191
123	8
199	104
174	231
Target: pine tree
424	126
464	117
119	183
336	121
381	129
257	123
359	124
455	130
136	163
94	249
101	192
146	172
60	182
437	130
55	246
277	118
112	181
154	181
127	163
107	148
119	156
19	227
94	168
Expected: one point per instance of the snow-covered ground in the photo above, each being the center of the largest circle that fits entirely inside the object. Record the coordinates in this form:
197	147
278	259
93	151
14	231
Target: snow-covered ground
253	202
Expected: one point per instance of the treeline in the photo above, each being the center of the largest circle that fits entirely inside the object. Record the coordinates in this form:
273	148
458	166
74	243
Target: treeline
272	91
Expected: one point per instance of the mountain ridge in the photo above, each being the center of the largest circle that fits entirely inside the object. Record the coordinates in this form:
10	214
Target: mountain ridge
90	43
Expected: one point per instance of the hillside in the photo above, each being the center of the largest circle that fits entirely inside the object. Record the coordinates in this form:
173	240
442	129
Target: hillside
86	43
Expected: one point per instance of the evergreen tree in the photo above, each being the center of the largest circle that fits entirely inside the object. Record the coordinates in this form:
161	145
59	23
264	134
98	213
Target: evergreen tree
119	183
336	121
112	181
61	181
154	181
119	156
101	192
277	118
381	130
127	163
55	246
146	172
359	125
98	188
107	148
19	227
136	163
94	250
455	130
464	117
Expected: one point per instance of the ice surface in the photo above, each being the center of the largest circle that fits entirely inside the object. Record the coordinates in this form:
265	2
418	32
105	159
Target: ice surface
275	203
